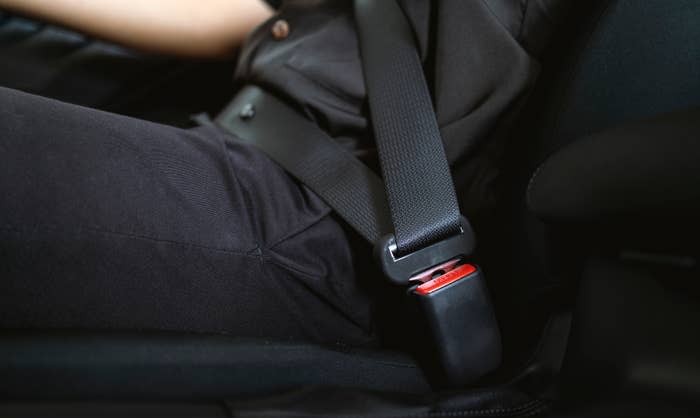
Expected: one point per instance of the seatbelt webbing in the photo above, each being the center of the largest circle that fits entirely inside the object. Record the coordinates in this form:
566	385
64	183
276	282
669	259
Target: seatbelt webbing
417	201
347	185
420	191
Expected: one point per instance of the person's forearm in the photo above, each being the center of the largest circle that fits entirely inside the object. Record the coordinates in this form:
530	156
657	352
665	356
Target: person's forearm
183	27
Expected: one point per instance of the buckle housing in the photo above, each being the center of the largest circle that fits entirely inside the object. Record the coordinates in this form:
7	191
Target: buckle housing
452	303
455	312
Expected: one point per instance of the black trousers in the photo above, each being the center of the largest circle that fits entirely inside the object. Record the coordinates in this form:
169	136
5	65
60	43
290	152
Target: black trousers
110	222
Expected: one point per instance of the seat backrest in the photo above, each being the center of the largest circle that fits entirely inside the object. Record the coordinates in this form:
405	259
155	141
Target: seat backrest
636	58
616	61
612	61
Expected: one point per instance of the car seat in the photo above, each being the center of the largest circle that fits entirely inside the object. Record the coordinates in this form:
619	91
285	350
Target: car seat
614	62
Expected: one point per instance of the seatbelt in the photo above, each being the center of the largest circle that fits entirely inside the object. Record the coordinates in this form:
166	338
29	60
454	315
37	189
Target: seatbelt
421	241
346	184
421	195
431	241
422	206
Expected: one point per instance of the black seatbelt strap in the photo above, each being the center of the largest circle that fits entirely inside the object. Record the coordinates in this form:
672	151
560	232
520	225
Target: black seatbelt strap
347	185
421	241
419	186
431	242
422	206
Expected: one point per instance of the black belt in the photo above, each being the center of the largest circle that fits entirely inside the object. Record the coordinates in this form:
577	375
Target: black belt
346	184
309	154
421	241
467	345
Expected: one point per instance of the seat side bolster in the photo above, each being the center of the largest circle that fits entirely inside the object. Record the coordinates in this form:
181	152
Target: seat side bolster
646	169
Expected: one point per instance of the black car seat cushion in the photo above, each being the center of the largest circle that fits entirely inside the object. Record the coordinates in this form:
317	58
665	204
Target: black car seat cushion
158	366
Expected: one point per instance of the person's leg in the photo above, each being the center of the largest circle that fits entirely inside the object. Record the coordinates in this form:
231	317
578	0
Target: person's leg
108	222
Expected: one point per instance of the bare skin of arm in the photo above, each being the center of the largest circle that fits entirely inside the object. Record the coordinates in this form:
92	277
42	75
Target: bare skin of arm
194	28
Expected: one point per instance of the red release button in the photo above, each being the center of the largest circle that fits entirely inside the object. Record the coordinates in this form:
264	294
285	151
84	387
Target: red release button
447	278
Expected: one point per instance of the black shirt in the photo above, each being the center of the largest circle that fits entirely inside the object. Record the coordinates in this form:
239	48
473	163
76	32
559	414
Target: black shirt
480	57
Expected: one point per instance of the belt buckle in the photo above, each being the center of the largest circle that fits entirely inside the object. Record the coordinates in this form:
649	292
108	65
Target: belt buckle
454	307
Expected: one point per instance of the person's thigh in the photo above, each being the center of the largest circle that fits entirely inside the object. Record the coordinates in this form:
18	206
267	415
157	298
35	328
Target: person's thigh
113	222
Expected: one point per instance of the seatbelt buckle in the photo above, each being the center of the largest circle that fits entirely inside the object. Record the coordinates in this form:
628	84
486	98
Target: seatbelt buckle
453	305
456	313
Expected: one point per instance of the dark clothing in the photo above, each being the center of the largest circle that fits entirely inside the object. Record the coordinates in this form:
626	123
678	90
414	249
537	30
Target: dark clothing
111	222
480	58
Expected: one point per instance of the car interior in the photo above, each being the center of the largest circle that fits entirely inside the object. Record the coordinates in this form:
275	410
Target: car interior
591	255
